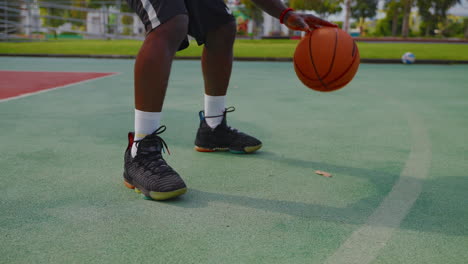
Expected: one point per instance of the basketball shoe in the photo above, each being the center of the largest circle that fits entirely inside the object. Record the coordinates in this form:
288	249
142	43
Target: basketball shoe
223	137
147	172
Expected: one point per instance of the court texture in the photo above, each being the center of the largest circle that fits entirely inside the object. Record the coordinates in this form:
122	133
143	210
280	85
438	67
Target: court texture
395	141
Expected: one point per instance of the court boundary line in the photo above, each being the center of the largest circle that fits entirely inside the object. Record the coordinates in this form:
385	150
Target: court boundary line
57	87
365	243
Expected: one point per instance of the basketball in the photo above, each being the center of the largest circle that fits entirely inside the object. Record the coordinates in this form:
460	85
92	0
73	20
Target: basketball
326	59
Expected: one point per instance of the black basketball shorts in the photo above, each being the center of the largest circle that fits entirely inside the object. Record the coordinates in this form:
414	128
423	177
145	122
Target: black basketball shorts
204	15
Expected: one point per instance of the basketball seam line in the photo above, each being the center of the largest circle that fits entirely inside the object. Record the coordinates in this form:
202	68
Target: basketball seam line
303	74
334	55
354	49
312	80
346	71
313	63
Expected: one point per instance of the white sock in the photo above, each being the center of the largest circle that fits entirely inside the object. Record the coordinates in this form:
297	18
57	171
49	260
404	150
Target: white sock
145	124
214	106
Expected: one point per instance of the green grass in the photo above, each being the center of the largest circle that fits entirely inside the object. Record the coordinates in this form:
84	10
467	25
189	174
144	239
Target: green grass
243	48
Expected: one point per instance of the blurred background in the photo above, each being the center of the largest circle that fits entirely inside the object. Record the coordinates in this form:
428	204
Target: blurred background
36	20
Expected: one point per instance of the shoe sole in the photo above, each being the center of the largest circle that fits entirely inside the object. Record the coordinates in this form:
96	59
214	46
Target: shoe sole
158	196
245	151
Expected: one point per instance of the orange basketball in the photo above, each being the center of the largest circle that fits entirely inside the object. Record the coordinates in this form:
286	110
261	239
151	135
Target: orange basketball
326	59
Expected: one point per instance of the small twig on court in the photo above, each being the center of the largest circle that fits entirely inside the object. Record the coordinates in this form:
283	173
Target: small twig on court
323	173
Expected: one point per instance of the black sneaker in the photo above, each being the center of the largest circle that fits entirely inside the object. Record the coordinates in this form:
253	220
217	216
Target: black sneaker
223	137
148	173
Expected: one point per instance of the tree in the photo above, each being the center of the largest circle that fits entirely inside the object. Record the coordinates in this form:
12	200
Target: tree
427	17
78	14
434	13
347	14
255	13
391	23
407	5
323	8
465	23
394	10
328	7
304	4
362	9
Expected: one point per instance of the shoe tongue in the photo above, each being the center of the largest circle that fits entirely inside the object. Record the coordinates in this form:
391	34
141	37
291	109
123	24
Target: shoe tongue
150	144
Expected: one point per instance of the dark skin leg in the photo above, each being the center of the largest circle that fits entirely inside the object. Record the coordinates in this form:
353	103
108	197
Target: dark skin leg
153	63
217	59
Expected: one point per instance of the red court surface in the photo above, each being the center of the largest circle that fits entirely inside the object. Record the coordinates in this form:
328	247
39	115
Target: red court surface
19	83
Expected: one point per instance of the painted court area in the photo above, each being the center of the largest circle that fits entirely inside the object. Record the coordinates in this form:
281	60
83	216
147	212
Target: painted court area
15	84
395	141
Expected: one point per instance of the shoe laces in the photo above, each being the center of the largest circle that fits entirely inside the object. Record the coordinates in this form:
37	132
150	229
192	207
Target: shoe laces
150	156
227	110
230	110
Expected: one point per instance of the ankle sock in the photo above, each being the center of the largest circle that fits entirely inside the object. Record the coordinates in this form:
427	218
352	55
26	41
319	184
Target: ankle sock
145	124
214	107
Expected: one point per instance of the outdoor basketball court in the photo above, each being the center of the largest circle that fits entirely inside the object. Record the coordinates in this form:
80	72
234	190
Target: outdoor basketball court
395	140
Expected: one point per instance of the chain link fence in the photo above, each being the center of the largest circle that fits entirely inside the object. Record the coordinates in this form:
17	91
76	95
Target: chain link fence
35	20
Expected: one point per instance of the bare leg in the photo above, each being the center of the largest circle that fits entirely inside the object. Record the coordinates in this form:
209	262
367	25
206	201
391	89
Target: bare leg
152	69
213	134
153	63
217	59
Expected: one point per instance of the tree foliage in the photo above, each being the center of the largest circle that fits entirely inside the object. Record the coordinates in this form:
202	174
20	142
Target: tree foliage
252	10
255	13
304	4
434	14
391	23
328	7
323	7
394	15
362	9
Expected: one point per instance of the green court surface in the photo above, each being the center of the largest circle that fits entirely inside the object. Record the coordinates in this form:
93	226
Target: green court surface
395	140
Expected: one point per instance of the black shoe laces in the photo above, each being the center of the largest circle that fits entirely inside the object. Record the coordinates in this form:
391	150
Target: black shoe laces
227	110
150	157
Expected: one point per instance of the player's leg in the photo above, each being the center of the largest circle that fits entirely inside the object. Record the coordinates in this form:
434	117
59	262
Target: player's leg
151	73
214	134
145	169
216	66
218	50
153	63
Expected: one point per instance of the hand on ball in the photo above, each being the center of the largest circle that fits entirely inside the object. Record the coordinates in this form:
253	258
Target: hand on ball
305	22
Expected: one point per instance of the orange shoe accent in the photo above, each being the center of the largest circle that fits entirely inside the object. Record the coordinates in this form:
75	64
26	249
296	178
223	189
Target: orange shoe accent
128	185
203	149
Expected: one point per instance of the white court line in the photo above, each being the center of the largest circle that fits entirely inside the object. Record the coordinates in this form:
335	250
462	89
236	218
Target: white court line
364	244
59	87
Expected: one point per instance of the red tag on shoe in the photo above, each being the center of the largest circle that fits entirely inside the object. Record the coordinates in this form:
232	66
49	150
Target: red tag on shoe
130	140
